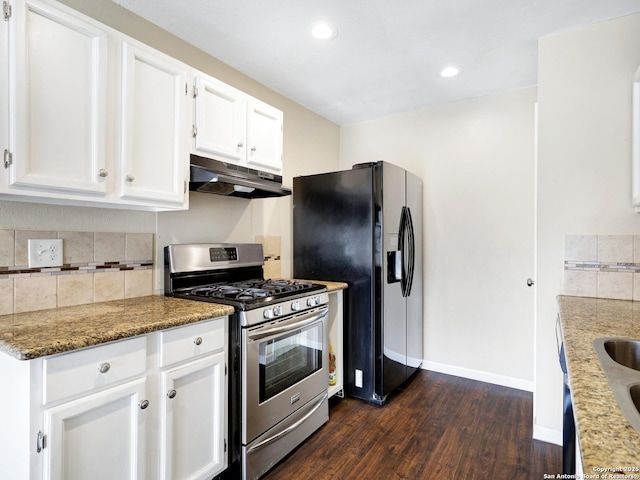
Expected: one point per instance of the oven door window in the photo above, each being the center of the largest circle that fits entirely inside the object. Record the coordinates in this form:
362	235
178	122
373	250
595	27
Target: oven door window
289	358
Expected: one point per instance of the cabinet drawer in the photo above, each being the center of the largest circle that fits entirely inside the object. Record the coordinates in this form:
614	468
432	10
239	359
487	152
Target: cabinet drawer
184	343
81	371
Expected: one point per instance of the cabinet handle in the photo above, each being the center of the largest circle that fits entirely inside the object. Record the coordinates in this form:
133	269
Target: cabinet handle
171	393
8	158
143	404
198	341
103	172
104	367
130	178
41	442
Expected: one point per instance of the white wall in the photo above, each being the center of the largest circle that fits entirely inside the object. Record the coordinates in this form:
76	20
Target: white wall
477	164
584	181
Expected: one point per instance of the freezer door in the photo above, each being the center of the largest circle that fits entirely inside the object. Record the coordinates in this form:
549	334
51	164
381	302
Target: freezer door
394	305
333	223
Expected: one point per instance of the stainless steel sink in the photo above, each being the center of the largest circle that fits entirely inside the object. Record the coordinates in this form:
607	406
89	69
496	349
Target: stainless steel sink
625	352
620	361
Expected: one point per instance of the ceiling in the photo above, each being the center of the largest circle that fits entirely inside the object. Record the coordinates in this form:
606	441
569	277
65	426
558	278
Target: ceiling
387	55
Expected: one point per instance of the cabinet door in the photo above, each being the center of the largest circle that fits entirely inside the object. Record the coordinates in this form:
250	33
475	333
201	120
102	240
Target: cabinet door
4	104
99	436
58	88
264	125
154	126
194	428
220	119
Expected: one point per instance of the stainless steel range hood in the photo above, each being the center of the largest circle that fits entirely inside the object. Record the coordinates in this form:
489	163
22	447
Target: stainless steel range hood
213	176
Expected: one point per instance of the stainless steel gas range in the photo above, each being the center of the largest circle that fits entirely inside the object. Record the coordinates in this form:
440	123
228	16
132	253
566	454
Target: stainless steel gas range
278	338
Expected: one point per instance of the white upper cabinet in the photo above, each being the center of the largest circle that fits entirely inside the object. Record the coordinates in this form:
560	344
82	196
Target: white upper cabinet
58	86
264	131
220	119
4	102
91	116
236	128
95	117
154	112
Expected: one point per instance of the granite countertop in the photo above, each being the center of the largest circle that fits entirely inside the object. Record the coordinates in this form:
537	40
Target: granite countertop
36	334
331	286
606	439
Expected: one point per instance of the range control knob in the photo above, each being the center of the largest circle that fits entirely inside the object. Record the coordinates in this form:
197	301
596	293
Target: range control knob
311	302
268	313
295	306
277	310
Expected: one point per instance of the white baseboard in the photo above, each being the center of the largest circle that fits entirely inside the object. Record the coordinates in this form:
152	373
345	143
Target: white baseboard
546	434
479	375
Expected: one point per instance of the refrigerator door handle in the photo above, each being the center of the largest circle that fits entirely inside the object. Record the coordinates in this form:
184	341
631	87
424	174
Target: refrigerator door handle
411	261
401	233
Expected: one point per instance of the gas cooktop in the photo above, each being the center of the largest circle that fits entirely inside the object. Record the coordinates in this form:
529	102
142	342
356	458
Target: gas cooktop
249	294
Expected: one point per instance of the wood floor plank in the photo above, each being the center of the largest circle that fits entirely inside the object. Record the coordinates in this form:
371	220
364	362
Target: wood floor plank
436	426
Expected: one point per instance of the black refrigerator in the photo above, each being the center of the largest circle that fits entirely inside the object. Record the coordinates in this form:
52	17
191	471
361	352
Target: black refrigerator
364	227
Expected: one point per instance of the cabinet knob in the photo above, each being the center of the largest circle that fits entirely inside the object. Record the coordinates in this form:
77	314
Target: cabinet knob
103	173
104	367
171	393
253	149
130	178
240	144
198	341
143	404
530	282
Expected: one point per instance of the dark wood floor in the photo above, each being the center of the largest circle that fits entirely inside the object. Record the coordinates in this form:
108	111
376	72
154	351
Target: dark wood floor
437	427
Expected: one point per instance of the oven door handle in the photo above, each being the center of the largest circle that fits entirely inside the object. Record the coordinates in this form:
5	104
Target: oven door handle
290	428
260	334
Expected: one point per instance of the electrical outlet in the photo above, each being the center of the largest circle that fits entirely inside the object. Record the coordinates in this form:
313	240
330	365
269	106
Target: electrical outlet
358	378
45	253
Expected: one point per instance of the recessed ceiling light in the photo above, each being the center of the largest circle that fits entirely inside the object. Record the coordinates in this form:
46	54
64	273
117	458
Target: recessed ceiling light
451	71
323	31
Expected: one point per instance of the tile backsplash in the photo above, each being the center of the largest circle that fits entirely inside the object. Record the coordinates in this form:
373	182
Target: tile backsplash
272	249
97	266
602	266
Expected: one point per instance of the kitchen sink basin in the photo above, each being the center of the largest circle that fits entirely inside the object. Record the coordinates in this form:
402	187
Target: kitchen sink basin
634	391
625	352
620	362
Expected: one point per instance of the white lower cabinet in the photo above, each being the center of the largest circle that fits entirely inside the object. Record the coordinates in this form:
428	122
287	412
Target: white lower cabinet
192	385
151	406
193	417
99	436
94	403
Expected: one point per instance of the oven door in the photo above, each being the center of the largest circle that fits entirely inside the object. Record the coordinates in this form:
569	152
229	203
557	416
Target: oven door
285	365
